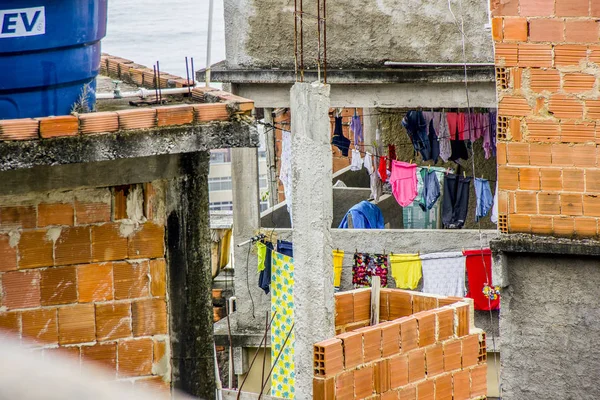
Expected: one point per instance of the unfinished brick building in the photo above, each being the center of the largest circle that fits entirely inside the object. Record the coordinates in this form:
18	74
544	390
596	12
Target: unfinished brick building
104	231
547	66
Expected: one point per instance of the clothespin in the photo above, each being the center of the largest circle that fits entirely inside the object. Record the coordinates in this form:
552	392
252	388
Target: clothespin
410	162
464	174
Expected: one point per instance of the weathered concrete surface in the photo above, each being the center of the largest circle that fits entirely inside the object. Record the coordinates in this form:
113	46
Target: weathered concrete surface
190	280
246	221
312	205
394	95
523	243
548	324
361	34
130	144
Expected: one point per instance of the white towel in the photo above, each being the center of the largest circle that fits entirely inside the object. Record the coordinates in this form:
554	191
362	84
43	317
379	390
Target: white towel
444	273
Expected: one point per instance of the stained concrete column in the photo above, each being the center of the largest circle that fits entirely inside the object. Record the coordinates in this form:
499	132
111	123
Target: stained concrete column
312	211
370	118
252	301
190	279
271	166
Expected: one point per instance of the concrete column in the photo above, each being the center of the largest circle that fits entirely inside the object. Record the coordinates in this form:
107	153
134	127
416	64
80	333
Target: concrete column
370	118
190	279
271	156
312	211
252	301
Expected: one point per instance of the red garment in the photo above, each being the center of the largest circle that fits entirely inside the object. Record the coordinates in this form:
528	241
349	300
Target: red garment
391	155
479	273
382	169
456	124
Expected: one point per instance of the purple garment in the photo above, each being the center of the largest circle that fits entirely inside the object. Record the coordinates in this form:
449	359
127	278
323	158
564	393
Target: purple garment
356	127
428	115
489	140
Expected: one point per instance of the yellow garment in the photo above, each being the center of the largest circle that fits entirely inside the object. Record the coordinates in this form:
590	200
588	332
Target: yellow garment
261	252
338	259
225	249
406	270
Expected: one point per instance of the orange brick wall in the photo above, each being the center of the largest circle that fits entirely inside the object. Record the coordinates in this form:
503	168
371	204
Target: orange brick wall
425	347
547	62
74	279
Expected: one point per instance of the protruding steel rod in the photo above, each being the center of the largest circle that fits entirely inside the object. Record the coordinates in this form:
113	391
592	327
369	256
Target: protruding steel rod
193	72
296	38
158	83
325	41
319	41
187	73
301	42
155	83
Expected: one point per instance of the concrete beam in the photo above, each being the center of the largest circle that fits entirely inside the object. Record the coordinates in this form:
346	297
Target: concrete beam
16	155
312	213
389	95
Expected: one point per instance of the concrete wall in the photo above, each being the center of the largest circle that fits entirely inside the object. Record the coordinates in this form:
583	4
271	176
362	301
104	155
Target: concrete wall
359	34
550	317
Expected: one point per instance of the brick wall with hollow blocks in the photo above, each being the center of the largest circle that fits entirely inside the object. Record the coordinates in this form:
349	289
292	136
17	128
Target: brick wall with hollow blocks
83	273
547	59
424	347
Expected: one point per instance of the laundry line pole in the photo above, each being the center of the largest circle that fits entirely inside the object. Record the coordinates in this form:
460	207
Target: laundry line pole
208	42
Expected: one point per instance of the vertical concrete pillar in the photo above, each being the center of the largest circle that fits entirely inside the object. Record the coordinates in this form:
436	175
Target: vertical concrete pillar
271	166
312	212
190	279
370	118
246	222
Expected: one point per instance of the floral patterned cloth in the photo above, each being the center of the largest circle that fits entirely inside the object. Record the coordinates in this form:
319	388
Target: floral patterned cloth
368	265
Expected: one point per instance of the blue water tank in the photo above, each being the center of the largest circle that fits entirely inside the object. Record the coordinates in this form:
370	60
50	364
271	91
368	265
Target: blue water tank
49	55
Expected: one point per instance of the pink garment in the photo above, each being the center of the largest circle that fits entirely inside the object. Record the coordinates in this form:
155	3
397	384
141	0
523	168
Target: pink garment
404	182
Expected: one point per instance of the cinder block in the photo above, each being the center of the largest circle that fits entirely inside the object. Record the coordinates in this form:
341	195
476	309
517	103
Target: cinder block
73	246
426	326
452	355
535	55
149	317
344	386
443	387
40	325
398	371
382	376
352	345
479	380
408	393
423	302
130	280
390	395
445	323
94	282
363	382
390	339
158	277
409	334
461	385
20	289
148	242
416	365
135	357
400	304
569	54
103	354
371	342
91	212
362	305
462	312
35	250
76	324
384	305
55	214
323	389
470	350
107	243
328	357
344	308
113	321
434	360
174	115
426	390
515	29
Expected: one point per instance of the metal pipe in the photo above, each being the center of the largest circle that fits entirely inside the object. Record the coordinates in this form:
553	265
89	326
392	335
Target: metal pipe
301	42
296	38
319	41
413	64
141	92
325	41
208	43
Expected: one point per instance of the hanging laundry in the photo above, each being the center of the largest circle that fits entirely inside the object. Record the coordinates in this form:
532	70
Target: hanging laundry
459	150
489	135
432	135
261	253
479	276
494	217
431	189
364	216
456	125
338	260
382	170
413	217
443	135
356	127
264	278
338	139
368	163
404	182
356	163
406	270
285	247
374	181
285	169
416	128
456	201
391	155
444	273
366	266
483	193
283	380
493	116
482	122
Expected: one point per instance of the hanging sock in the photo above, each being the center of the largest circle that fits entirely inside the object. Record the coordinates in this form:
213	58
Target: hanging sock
456	201
381	170
483	193
431	189
444	273
368	265
338	139
494	217
338	259
356	128
479	276
357	162
404	182
406	270
264	278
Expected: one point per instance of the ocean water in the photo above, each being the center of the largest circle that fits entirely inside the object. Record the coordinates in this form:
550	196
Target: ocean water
145	31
